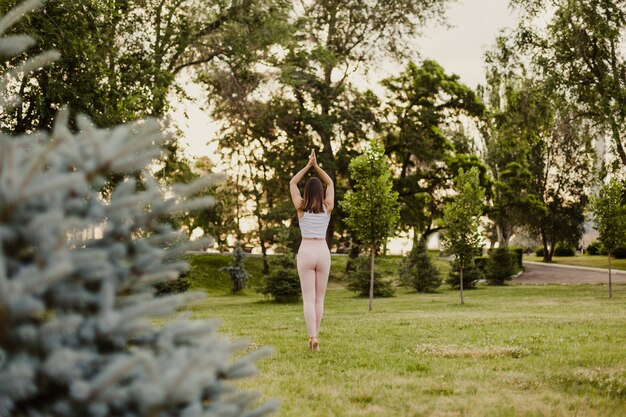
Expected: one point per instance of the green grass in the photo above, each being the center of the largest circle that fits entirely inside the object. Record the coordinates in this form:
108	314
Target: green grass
510	351
595	261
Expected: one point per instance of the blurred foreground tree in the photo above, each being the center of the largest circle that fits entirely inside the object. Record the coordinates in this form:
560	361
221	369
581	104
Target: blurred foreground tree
76	313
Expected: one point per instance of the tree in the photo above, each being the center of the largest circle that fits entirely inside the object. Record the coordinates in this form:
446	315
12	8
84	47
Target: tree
122	60
76	331
425	140
581	51
373	209
304	93
540	152
418	270
609	210
237	271
461	219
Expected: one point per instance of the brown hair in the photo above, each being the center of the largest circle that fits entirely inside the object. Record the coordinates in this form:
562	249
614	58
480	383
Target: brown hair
313	196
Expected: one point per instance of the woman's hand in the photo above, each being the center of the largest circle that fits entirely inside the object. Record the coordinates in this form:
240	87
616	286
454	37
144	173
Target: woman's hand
312	159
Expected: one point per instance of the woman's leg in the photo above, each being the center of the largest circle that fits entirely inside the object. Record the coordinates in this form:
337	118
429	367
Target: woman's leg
321	281
306	260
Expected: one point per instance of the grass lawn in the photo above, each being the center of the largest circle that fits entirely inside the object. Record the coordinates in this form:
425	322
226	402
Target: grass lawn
516	350
595	261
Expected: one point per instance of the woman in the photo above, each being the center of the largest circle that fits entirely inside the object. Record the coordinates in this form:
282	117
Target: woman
313	257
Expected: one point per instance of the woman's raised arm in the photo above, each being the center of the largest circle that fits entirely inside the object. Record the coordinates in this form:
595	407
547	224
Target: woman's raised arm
330	187
296	198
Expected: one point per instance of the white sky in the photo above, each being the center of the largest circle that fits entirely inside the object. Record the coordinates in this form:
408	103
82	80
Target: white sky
459	49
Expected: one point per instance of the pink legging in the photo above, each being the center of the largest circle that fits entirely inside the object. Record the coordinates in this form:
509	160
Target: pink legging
313	262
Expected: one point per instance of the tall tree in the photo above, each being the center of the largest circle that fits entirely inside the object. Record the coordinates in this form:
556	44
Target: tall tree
426	111
539	151
582	51
461	219
373	209
304	94
122	59
609	210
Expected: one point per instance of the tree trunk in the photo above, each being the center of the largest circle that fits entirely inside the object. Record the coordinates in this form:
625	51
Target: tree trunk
610	283
373	248
461	286
544	240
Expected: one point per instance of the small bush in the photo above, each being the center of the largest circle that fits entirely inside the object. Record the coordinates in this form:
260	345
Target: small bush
594	248
418	271
500	266
562	250
177	286
238	274
359	280
481	263
518	255
471	275
283	282
539	251
619	253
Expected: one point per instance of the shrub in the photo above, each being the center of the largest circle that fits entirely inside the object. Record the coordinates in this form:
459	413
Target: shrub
283	282
481	263
518	255
594	248
471	275
77	336
563	250
539	251
500	266
238	274
619	253
359	280
418	271
177	286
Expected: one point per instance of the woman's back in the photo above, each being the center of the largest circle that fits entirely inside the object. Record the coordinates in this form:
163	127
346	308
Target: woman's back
314	225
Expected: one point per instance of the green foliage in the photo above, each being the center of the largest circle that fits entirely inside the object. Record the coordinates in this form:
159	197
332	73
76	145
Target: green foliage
580	49
418	270
481	263
283	282
619	252
518	254
372	208
309	104
609	210
564	250
534	136
422	142
462	218
500	266
471	275
237	271
539	251
359	280
594	248
177	286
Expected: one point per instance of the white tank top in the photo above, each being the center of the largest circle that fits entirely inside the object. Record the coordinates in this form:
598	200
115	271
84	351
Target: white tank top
314	224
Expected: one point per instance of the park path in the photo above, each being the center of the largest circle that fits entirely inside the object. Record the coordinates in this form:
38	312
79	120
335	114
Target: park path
540	273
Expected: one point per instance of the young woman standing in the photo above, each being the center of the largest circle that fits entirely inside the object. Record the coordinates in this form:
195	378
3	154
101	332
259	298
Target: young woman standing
313	257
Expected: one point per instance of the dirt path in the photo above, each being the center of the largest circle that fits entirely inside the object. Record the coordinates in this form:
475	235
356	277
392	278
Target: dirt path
538	273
